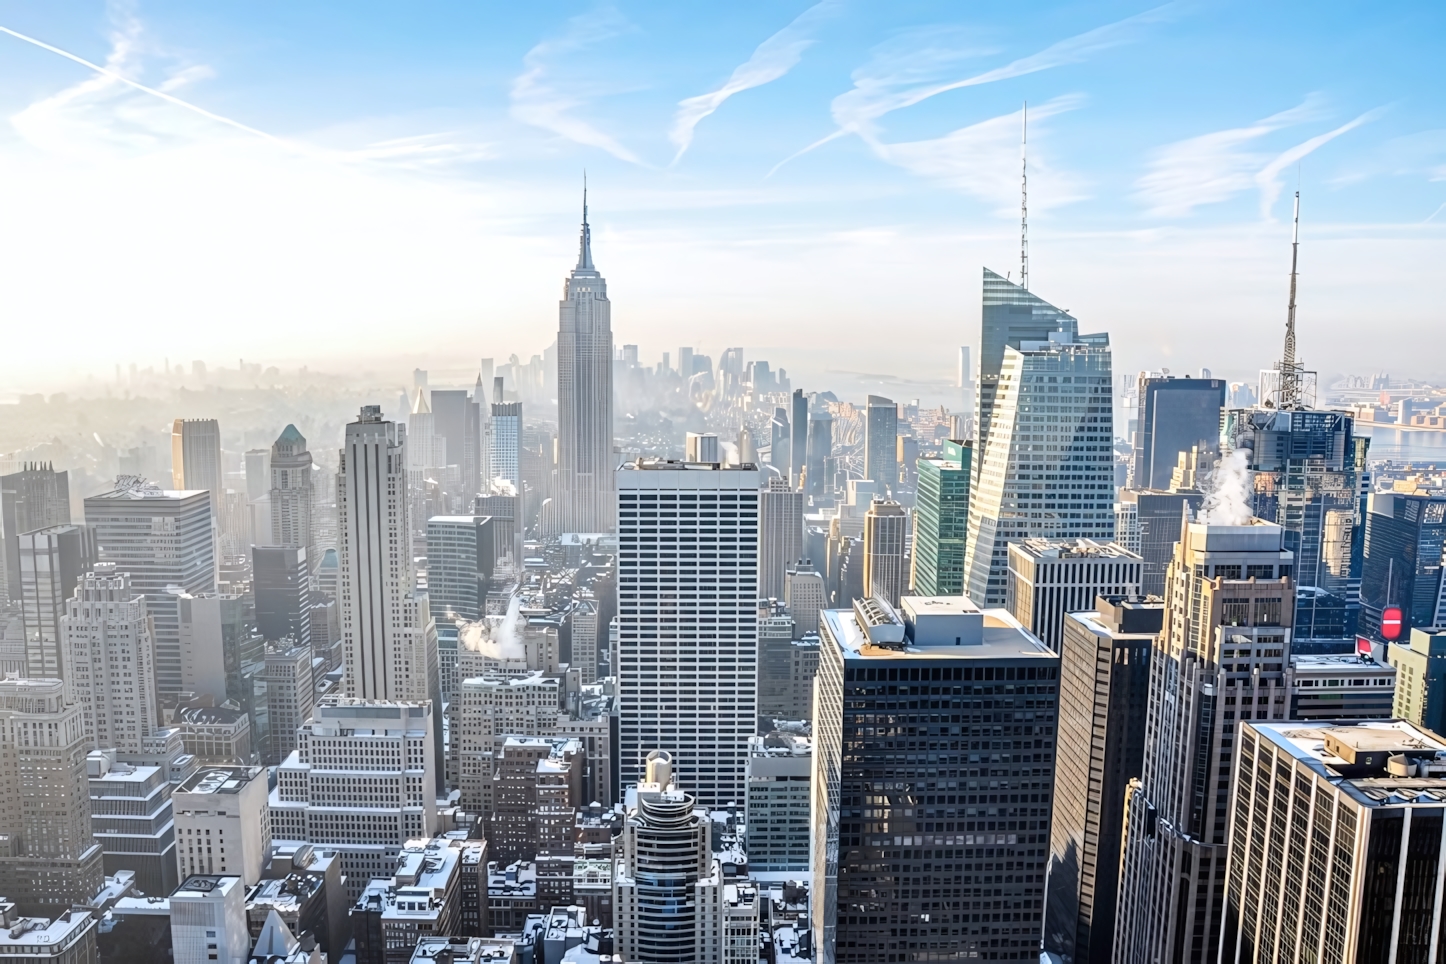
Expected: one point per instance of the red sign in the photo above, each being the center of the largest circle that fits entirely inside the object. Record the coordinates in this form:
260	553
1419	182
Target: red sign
1363	646
1391	622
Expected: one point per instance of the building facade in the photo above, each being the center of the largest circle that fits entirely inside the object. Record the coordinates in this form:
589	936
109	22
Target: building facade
292	495
776	806
36	497
780	535
110	668
223	825
1050	578
881	431
1175	414
688	622
903	800
886	530
941	520
52	561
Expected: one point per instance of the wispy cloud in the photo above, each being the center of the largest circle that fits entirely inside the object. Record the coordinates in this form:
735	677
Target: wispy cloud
982	160
542	99
915	67
772	59
1217	166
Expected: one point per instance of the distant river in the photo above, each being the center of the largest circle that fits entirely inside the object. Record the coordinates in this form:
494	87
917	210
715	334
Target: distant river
1397	445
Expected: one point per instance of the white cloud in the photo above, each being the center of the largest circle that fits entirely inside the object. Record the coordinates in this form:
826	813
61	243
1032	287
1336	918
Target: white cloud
543	99
1215	167
772	59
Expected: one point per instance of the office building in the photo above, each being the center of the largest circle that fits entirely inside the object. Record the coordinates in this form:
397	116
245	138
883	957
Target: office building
780	446
280	581
1341	686
941	520
901	801
505	512
223	825
51	860
109	661
881	431
291	495
162	539
780	535
1011	316
1046	468
687	670
487	710
196	459
886	530
362	781
222	656
51	563
1402	563
131	817
798	438
458	423
1104	695
1049	578
290	696
587	498
1156	517
775	807
460	562
806	596
1308	467
1335	844
775	640
1420	693
389	640
666	905
208	921
536	793
585	639
1175	415
257	464
223	735
820	454
36	497
1222	655
506	450
701	447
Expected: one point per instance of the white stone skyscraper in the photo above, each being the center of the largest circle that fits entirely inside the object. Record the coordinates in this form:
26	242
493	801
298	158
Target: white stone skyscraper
1046	460
688	621
389	641
586	491
291	493
110	670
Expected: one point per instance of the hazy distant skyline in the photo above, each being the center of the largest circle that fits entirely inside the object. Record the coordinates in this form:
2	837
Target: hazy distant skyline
379	186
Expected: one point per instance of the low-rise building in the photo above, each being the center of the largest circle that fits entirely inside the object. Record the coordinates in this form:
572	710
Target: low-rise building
1340	687
67	939
464	950
216	734
422	899
511	896
776	802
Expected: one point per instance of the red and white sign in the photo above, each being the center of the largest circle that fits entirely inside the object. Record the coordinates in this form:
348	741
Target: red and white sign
1391	622
1363	646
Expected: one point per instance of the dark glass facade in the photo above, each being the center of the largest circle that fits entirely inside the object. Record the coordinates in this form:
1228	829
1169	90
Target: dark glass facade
1175	414
1402	564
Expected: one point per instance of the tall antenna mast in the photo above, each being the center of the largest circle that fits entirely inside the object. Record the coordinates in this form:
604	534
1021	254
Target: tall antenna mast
1290	373
1024	201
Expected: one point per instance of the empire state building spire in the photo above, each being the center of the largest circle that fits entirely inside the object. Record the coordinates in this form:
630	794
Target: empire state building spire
586	490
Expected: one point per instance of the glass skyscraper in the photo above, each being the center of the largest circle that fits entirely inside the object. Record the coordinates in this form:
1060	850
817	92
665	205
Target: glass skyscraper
1010	316
941	520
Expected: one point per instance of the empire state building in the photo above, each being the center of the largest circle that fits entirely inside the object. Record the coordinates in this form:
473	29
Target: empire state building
586	489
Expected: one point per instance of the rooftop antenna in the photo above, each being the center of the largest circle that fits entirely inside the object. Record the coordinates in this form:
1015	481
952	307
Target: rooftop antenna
1024	201
1290	369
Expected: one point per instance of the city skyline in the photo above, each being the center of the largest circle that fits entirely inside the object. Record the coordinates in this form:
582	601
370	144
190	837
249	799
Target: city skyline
460	174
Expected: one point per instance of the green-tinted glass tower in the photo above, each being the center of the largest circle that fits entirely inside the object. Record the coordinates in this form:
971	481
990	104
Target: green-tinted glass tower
941	519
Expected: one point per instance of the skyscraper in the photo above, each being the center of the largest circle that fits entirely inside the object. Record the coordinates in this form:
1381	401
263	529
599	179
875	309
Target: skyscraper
1420	663
280	583
820	453
886	575
941	520
901	802
458	421
1403	564
806	595
460	558
798	445
1051	577
780	535
51	563
387	631
290	696
1221	655
196	458
780	446
506	439
1104	695
881	432
51	861
36	497
1156	518
1046	462
1335	844
688	622
1174	415
1010	316
586	493
110	668
162	538
291	494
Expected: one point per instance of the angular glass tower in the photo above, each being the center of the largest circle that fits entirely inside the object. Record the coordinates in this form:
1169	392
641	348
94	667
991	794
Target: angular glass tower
1011	315
941	521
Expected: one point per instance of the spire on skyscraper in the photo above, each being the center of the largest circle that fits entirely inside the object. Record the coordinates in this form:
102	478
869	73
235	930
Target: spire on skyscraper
584	252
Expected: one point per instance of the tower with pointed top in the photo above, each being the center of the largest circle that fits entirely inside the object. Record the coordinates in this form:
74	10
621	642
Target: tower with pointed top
587	493
292	493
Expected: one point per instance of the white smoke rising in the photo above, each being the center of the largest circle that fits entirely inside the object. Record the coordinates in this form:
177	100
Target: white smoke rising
499	637
502	486
1228	492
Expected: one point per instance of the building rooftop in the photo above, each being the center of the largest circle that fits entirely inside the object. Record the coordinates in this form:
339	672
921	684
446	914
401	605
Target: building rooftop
37	936
676	465
1339	663
1376	762
1052	549
937	627
205	885
219	780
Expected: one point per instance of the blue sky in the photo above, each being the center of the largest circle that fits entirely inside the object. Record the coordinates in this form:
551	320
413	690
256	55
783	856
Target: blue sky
396	184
